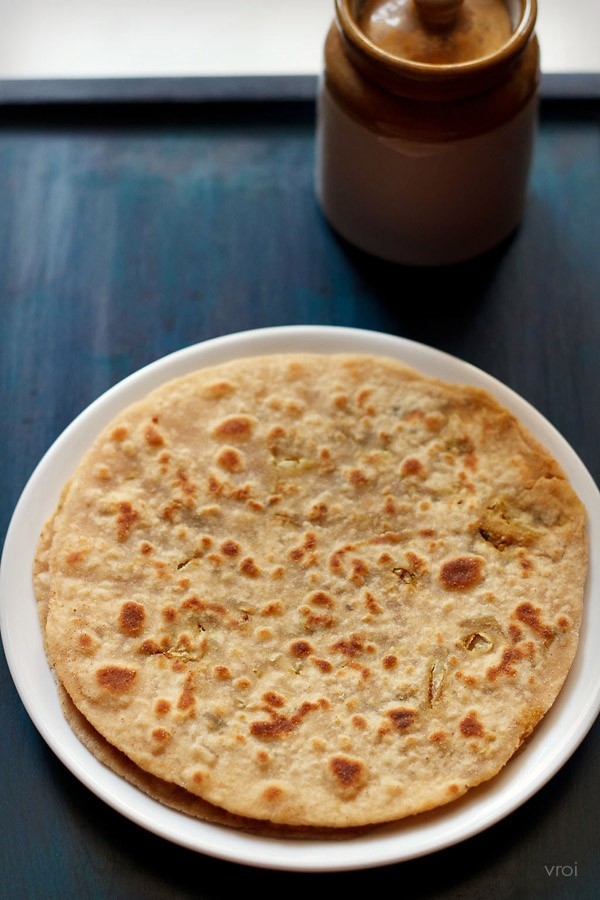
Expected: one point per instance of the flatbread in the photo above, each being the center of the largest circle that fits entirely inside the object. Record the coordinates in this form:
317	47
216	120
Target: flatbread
319	591
164	792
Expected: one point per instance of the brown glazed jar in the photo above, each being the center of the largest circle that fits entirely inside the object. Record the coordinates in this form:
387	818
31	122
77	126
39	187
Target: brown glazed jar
426	119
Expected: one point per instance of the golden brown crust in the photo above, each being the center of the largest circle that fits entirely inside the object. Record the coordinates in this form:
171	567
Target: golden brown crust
315	590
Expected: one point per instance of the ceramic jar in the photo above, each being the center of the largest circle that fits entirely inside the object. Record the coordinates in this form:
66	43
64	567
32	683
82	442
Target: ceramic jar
424	143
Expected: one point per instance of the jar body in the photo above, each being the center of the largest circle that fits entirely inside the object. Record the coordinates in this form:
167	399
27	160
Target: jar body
423	183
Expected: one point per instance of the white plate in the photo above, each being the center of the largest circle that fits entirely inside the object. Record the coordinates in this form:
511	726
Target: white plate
552	743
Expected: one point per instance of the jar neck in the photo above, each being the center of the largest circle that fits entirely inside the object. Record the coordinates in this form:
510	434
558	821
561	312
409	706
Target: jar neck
423	81
394	116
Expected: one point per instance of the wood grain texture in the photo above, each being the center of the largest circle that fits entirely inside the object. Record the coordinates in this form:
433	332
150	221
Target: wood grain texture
129	232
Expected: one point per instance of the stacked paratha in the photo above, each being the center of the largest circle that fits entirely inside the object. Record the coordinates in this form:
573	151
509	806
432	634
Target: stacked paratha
311	590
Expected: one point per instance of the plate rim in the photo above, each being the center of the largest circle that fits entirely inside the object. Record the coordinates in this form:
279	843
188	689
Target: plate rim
219	841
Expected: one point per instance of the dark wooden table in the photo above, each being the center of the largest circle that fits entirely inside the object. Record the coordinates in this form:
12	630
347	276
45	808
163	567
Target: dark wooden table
130	229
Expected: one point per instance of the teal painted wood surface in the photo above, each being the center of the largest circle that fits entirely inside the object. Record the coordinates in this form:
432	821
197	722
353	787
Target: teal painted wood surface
128	233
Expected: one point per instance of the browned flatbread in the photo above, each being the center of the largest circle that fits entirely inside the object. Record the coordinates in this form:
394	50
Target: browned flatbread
319	591
164	792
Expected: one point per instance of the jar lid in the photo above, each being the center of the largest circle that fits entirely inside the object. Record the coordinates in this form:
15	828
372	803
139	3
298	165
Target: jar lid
437	49
439	32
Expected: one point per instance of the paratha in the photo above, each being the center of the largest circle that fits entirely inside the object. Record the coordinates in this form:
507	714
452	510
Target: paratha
165	792
316	590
